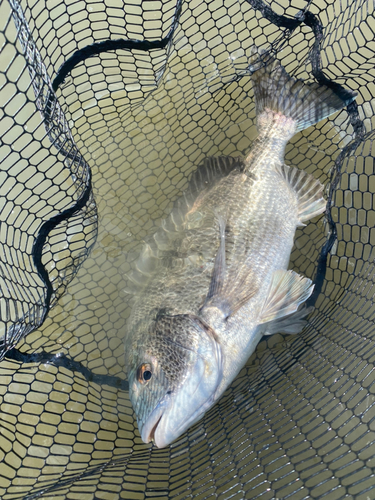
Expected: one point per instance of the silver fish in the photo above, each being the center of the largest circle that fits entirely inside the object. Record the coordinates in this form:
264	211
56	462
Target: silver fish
213	279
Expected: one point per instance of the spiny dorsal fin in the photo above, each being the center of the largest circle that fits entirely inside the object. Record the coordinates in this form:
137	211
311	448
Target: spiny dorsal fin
211	170
160	245
208	173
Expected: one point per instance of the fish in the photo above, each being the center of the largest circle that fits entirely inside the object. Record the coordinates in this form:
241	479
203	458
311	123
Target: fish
214	278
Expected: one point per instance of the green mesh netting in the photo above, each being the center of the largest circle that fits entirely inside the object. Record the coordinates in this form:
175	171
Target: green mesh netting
119	103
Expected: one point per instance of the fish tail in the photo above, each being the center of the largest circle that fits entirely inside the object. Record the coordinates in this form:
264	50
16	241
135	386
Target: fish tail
289	104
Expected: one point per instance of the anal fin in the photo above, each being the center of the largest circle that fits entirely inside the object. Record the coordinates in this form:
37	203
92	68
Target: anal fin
292	324
287	291
308	190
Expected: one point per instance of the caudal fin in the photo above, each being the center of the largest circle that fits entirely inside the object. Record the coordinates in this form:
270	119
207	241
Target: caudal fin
305	103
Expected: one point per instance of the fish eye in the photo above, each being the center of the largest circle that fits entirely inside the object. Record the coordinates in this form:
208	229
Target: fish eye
144	373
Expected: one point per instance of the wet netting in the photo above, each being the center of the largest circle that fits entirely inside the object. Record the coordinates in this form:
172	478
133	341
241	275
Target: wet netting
107	107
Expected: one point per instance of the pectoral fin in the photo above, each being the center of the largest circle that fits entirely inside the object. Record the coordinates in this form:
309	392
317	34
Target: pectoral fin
228	291
287	291
218	275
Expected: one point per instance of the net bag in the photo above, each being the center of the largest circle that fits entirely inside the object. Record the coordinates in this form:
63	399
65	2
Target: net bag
106	110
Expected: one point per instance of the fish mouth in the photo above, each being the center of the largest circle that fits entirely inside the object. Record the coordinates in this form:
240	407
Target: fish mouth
152	433
151	424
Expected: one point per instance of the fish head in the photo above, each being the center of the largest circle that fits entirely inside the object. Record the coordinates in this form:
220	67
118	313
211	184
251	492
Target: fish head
175	368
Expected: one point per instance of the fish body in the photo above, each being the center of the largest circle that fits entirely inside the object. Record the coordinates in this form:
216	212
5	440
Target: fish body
213	279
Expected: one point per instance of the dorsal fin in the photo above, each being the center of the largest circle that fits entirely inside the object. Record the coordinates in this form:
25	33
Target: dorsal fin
308	190
161	246
209	172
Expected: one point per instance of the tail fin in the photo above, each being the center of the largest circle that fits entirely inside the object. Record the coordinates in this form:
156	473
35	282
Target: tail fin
305	103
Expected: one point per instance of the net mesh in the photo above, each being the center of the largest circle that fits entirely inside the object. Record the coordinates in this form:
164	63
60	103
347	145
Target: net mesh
120	102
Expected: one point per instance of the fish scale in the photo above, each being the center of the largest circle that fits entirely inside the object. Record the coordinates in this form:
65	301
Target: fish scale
213	279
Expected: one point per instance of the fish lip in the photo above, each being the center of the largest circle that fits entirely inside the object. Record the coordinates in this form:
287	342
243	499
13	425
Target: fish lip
152	433
152	422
